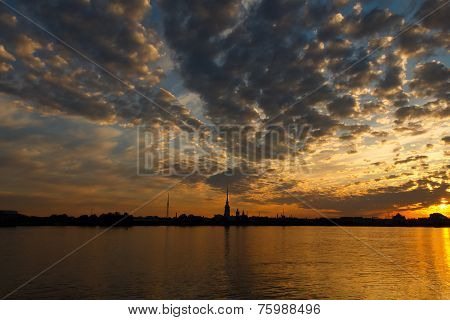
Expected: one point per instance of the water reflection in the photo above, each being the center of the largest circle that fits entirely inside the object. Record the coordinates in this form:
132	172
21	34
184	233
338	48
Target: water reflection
446	244
233	263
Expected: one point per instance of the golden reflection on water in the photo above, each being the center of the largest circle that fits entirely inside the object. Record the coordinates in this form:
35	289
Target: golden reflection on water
446	240
233	263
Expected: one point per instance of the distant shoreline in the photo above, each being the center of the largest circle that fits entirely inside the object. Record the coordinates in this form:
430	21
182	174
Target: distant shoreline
15	219
221	226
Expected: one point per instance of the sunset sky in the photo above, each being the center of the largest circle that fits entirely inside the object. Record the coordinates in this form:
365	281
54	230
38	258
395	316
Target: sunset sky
370	79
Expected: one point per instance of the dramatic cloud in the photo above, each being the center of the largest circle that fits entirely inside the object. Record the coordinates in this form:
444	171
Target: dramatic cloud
434	109
342	107
431	79
367	81
439	20
98	36
228	56
376	201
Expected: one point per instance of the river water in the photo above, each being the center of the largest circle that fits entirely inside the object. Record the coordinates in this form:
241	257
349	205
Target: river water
226	263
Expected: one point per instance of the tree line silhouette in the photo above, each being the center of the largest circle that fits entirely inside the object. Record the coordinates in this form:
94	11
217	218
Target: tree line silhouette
13	218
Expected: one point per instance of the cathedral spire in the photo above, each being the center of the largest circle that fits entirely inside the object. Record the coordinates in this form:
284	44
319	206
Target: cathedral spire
227	193
226	212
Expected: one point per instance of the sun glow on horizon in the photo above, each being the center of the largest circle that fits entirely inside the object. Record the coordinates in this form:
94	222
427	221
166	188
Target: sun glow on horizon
443	207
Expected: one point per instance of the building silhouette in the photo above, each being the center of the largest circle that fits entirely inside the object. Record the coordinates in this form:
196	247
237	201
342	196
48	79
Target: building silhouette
117	219
399	217
238	217
437	217
226	212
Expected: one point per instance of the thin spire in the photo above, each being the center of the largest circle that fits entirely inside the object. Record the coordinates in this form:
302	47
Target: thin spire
226	212
227	193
